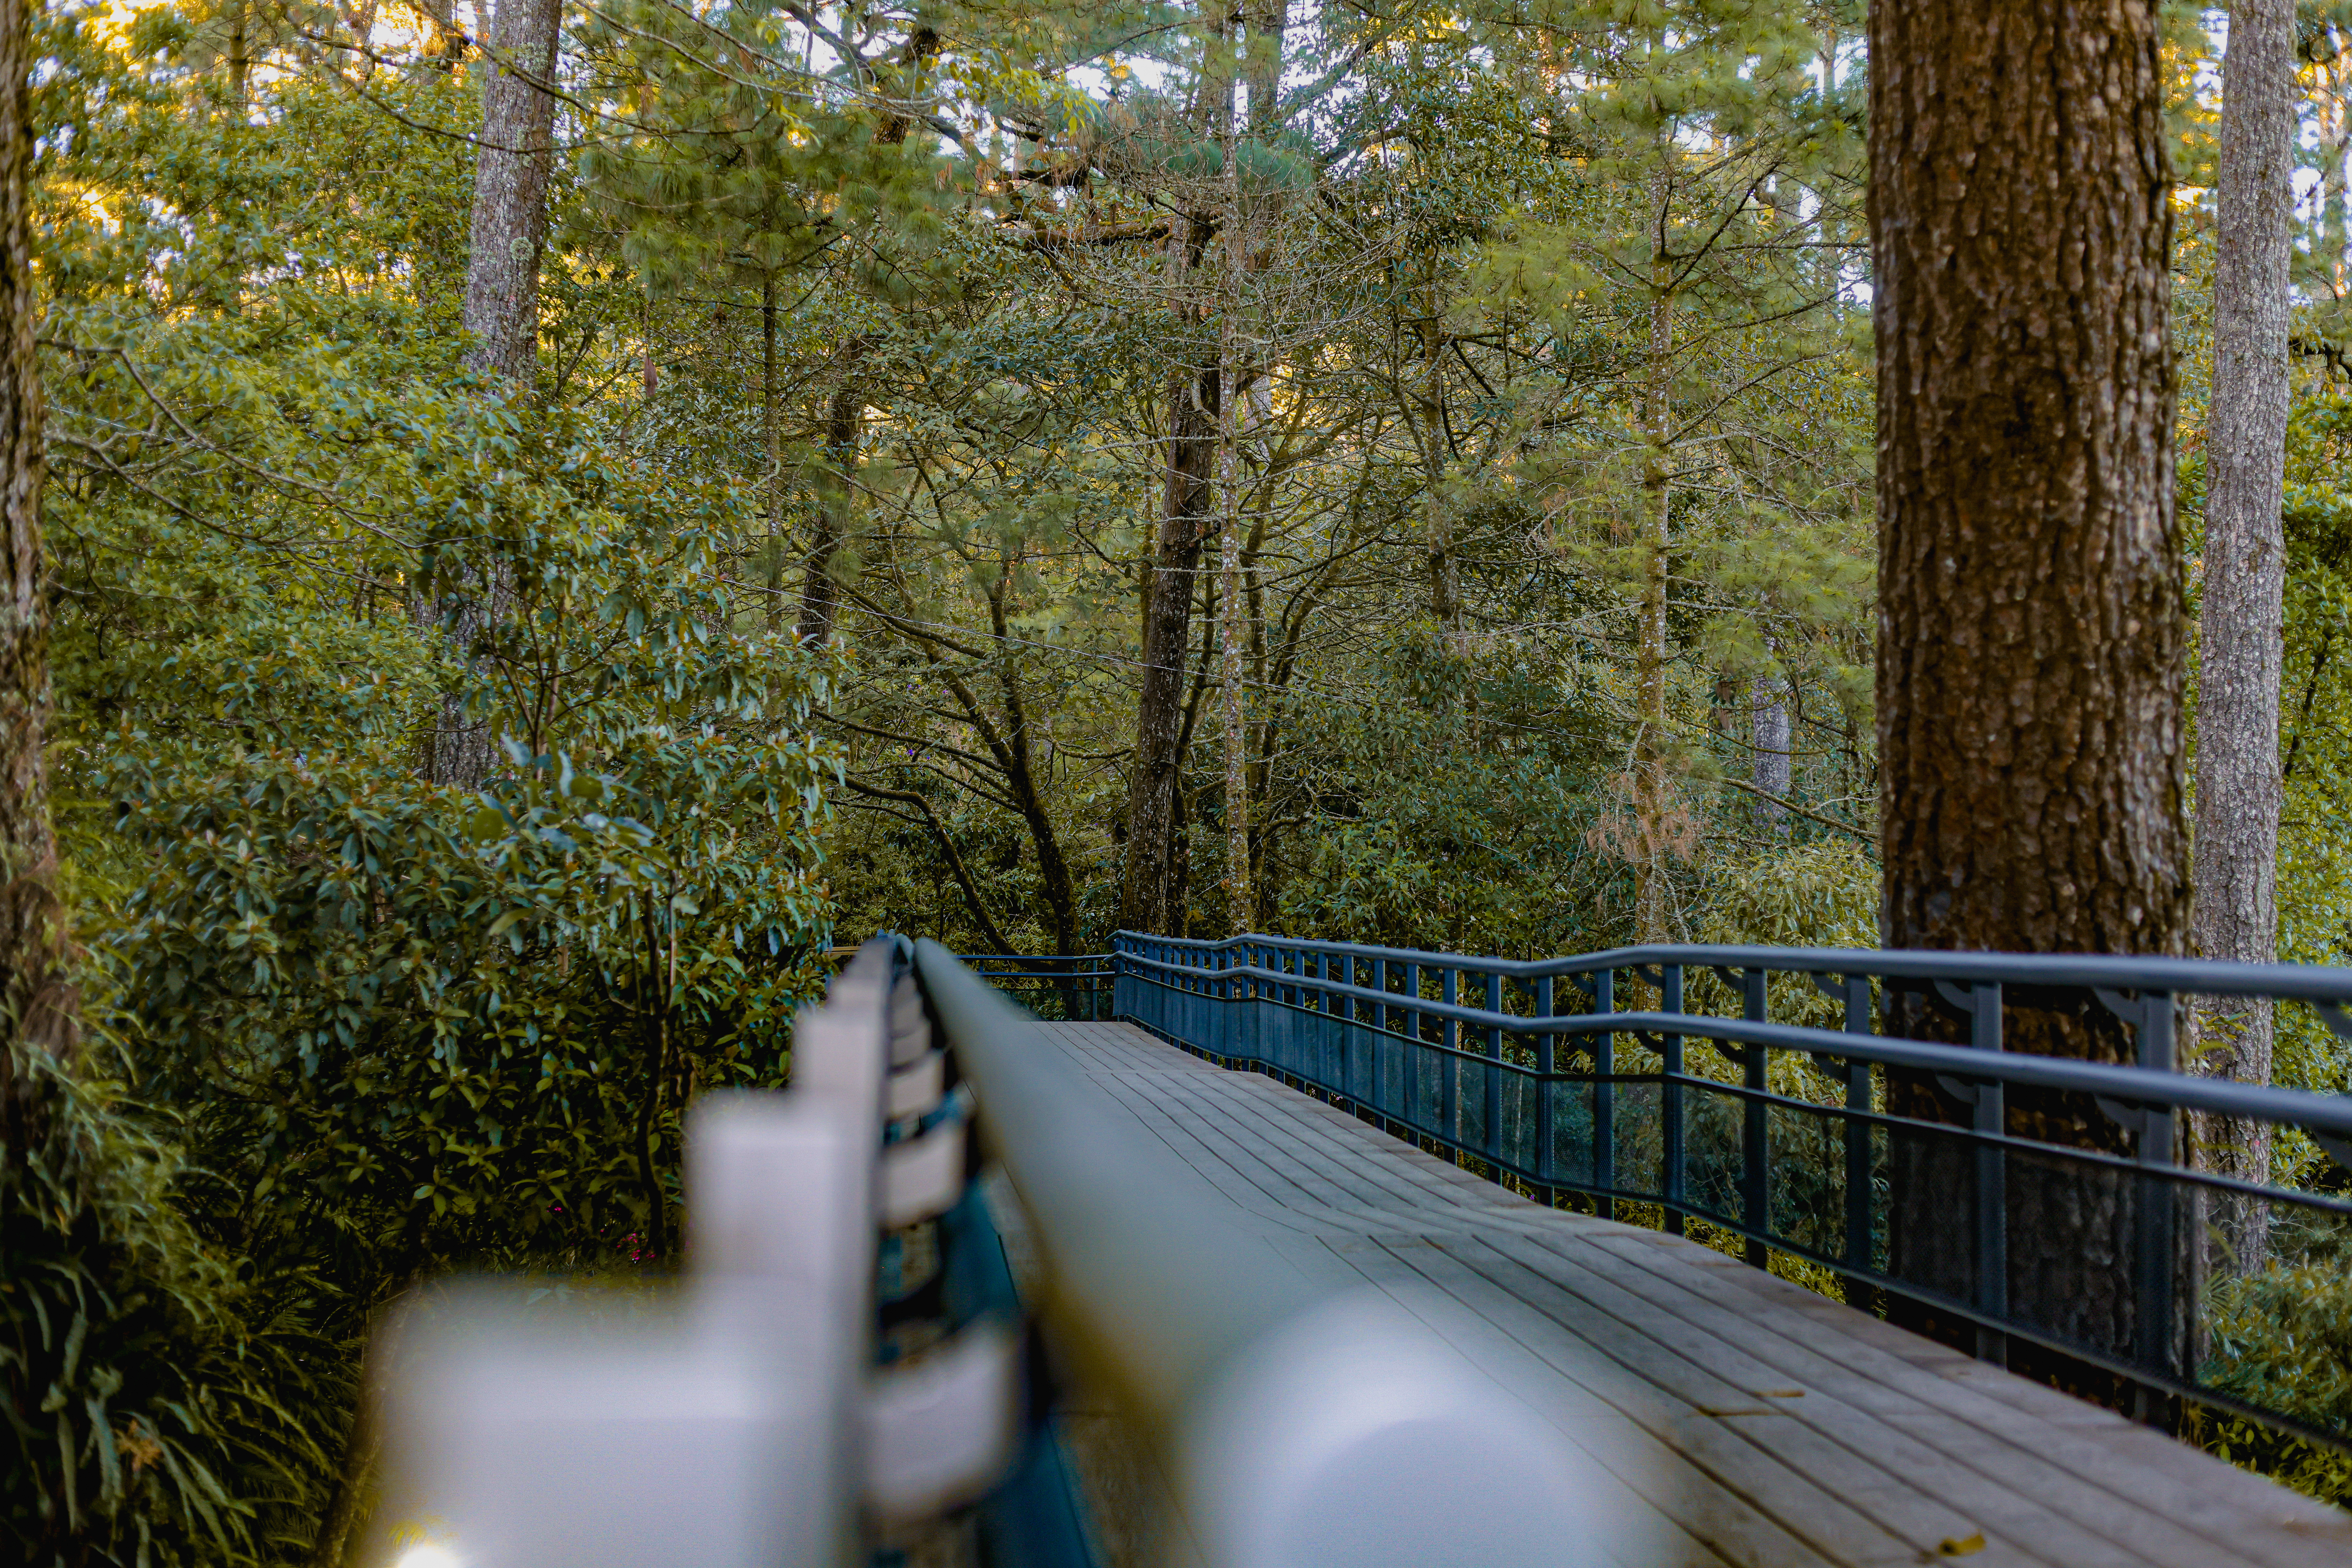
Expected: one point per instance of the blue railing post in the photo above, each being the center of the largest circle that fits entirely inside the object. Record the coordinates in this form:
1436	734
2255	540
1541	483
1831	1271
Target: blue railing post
1992	1176
1604	1100
1493	1099
1861	1249
1669	1094
1547	1057
1755	1140
1449	1081
2156	1221
1345	1006
1417	1022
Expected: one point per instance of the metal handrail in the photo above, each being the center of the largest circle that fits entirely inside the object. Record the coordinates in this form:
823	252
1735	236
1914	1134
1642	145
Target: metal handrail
2330	1114
2080	971
1435	1067
1251	1378
1150	1284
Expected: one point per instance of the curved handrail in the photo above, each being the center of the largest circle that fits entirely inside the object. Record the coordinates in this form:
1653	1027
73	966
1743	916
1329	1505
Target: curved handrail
2197	976
1541	1098
1150	1284
2329	1114
1283	1404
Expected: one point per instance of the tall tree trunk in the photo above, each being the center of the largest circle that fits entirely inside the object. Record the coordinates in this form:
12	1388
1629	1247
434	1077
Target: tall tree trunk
240	61
772	448
1150	889
1769	722
501	314
510	174
1437	523
2335	149
836	511
36	1007
2032	639
31	1010
1653	788
2241	636
1232	630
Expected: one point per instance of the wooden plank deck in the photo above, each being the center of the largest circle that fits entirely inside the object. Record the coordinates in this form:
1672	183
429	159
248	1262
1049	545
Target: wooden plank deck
1758	1424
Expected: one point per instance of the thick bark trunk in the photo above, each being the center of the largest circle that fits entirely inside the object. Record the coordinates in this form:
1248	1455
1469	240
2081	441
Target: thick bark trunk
36	1007
510	174
509	230
2241	635
1150	891
2031	637
30	1004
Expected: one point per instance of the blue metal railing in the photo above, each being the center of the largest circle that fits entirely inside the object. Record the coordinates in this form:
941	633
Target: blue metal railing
1059	988
1593	1075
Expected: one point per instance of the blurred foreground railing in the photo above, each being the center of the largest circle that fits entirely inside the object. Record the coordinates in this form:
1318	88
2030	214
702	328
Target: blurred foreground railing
1955	1180
847	1374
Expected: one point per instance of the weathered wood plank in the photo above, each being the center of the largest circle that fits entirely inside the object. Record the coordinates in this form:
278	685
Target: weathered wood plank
1724	1521
1675	1365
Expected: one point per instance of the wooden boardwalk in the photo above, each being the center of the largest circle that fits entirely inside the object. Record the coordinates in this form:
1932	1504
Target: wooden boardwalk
1755	1422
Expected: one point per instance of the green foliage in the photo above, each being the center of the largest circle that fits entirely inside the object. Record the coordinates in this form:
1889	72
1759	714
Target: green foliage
158	1392
364	1027
1450	805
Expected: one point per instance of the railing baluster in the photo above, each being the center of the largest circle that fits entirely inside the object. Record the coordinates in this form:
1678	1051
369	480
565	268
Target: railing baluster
1755	1140
1417	1022
1861	1253
1547	1054
1491	1134
2156	1217
1450	1066
1992	1177
1346	1007
1670	1054
1604	1101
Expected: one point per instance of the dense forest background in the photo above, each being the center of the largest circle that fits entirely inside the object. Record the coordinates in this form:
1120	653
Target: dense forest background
999	472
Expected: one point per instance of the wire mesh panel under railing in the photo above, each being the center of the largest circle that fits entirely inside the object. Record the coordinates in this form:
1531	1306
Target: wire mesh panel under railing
1998	1145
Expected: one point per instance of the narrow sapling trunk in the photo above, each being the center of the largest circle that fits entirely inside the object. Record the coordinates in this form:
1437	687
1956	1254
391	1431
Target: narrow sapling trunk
836	513
2240	636
1232	630
772	449
1769	722
1652	785
2031	631
1437	524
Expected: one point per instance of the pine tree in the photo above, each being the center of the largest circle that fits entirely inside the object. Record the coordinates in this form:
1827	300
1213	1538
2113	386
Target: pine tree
2032	633
2235	912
